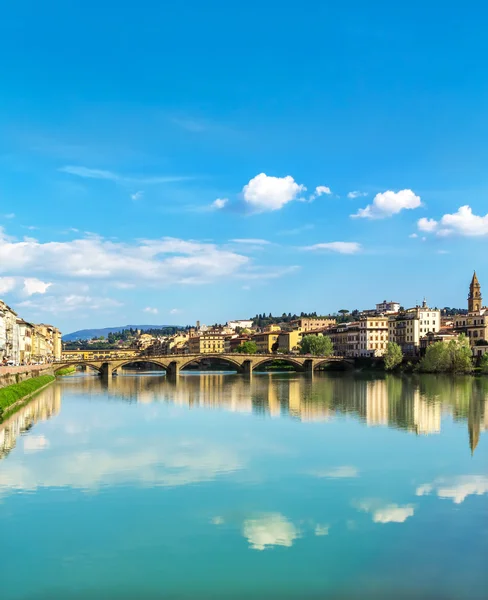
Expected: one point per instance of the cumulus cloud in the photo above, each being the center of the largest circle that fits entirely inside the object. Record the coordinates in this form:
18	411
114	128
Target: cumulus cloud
456	489
425	224
220	203
339	247
7	284
463	222
389	203
270	529
390	513
137	196
393	514
175	311
320	190
32	286
152	311
267	193
34	443
413	236
356	194
321	530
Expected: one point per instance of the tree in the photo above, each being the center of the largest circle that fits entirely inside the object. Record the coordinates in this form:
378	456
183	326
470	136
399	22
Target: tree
393	356
452	357
317	345
484	363
248	347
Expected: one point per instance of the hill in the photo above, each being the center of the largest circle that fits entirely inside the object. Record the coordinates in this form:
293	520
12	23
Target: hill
88	334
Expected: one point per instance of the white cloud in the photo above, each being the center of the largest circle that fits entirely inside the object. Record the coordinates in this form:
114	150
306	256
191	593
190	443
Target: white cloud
137	196
7	284
217	520
175	311
271	529
456	489
70	303
266	193
389	203
464	222
166	260
252	241
413	236
393	514
345	471
152	311
32	286
88	173
340	247
428	225
220	203
34	443
321	530
356	194
320	190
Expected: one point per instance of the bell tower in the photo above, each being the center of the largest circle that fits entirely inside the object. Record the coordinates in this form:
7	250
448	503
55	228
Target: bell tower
475	301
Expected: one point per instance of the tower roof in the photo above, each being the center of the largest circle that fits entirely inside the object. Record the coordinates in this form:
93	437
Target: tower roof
475	281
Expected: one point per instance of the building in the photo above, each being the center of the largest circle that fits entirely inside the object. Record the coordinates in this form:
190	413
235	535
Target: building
475	323
26	331
289	341
52	345
207	343
309	324
344	338
373	336
9	334
240	323
445	334
267	341
387	307
408	327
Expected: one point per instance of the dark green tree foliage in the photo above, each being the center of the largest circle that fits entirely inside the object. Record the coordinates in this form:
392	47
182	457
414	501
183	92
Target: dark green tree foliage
393	356
248	347
317	345
484	363
452	357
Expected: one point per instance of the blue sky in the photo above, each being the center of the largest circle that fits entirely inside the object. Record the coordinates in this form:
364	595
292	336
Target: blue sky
139	141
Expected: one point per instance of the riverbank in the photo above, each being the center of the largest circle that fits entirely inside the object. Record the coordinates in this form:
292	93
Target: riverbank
18	393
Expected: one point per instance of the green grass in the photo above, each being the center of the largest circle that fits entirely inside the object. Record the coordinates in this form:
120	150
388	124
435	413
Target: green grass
13	393
66	371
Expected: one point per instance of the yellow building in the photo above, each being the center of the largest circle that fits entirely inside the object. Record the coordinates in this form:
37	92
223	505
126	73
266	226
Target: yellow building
207	343
310	324
289	341
267	341
373	336
475	323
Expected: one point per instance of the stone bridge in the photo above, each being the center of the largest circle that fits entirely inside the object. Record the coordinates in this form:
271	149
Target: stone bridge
172	364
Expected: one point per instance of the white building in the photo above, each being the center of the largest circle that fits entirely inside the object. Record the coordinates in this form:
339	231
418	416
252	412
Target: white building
242	323
9	334
407	328
387	307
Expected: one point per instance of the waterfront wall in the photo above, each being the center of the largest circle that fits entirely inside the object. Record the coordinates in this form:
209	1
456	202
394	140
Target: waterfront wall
12	375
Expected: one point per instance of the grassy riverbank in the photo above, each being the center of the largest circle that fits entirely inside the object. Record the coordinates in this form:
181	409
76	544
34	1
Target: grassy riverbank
66	371
13	393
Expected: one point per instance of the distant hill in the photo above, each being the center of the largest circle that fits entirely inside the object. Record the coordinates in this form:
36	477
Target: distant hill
88	334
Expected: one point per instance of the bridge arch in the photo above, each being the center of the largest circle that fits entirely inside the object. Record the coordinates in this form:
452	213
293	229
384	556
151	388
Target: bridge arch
143	359
346	362
58	367
222	358
299	365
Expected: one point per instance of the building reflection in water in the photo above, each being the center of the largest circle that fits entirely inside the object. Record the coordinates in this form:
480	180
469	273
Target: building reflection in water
40	408
412	404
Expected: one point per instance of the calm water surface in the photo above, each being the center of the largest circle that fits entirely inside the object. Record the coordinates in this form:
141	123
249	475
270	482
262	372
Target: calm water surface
215	486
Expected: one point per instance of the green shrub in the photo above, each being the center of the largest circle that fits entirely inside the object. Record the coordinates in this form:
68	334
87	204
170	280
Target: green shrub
66	371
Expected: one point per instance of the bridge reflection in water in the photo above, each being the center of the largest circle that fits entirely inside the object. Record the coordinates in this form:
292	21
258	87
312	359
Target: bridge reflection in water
412	404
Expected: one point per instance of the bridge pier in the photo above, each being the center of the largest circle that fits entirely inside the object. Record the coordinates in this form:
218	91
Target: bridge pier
247	367
173	371
106	371
308	367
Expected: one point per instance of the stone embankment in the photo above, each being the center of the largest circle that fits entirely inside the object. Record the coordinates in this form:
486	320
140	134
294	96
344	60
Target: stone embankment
13	375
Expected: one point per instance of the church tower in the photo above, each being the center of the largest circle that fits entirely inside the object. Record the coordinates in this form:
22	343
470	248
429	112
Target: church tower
475	301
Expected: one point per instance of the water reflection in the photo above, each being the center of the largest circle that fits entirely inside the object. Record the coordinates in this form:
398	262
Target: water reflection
413	404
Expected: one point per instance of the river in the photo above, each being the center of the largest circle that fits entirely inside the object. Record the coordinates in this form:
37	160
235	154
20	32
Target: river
216	486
